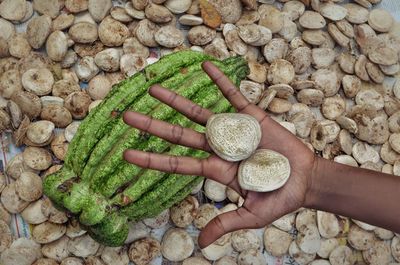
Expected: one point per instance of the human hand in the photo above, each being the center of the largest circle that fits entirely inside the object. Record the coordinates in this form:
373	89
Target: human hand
259	209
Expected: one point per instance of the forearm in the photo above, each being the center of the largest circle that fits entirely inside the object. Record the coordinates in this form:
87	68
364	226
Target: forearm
369	196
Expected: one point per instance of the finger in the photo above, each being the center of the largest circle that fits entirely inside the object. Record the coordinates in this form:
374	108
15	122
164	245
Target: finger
166	163
183	105
223	172
230	91
172	133
226	223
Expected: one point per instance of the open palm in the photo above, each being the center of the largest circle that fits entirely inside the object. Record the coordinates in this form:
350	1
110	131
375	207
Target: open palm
259	209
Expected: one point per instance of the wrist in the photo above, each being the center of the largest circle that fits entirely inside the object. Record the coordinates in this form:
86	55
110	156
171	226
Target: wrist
313	184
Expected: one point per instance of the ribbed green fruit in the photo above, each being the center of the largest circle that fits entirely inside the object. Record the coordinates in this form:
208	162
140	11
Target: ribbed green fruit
97	185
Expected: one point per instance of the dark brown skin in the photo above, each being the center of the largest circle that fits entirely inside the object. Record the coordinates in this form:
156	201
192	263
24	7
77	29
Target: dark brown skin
314	182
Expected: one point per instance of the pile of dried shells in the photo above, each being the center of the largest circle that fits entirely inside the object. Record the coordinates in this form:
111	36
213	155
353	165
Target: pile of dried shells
328	71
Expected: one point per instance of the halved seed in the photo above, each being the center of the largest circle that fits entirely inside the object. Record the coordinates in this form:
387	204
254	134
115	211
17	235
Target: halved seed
365	3
384	56
276	242
333	107
347	123
356	14
390	69
275	49
225	136
346	28
280	72
249	33
300	58
312	20
313	36
251	90
294	8
360	239
333	11
374	72
380	20
282	90
279	106
351	85
323	57
363	152
338	36
267	97
360	68
312	97
271	17
346	160
370	97
265	170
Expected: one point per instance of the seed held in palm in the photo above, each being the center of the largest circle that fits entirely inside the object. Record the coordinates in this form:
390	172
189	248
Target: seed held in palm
233	136
265	170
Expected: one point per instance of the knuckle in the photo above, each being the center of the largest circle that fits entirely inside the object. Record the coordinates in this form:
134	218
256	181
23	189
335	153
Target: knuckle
172	97
173	163
147	124
219	224
196	110
177	133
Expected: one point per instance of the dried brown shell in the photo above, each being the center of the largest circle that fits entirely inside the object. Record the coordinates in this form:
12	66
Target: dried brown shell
300	58
58	115
379	253
10	83
384	56
205	214
54	215
57	46
59	146
312	20
144	250
29	103
351	85
29	186
313	36
5	121
77	103
158	13
47	232
346	28
37	158
271	17
312	97
145	32
183	214
277	48
338	36
380	20
38	30
234	42
11	201
40	133
356	14
326	81
5	236
63	88
112	32
33	214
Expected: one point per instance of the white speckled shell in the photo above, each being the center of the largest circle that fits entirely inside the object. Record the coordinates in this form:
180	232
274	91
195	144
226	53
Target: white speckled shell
265	170
233	136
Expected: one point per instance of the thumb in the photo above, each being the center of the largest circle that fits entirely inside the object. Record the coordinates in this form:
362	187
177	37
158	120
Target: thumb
226	223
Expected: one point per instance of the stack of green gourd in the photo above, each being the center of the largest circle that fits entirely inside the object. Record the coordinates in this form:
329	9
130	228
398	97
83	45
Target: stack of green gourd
97	185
